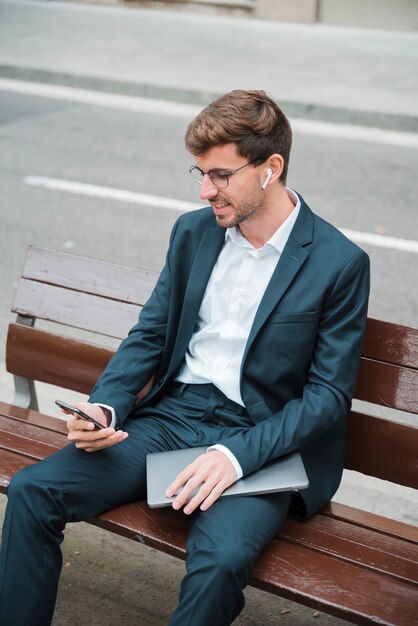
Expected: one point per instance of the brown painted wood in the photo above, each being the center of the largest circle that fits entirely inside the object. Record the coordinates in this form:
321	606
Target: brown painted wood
364	519
79	273
62	361
35	450
382	448
391	343
388	385
342	589
163	529
31	432
361	546
10	463
46	422
74	308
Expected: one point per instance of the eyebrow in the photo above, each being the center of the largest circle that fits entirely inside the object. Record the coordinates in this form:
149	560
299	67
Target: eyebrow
212	169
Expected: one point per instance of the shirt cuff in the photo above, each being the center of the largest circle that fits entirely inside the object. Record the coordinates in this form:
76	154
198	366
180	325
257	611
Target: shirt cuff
112	413
231	457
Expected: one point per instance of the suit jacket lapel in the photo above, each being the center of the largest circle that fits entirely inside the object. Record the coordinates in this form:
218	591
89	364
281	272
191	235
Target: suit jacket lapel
291	260
206	256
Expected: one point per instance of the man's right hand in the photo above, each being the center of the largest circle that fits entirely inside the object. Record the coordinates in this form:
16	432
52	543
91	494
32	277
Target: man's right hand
84	434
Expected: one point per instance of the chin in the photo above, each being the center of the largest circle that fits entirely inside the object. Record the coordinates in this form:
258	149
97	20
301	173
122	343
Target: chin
223	221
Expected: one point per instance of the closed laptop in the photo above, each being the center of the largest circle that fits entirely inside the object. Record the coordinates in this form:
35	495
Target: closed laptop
284	474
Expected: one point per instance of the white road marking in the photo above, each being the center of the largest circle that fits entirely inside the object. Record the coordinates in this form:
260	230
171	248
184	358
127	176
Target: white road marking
178	109
382	241
100	98
122	195
355	133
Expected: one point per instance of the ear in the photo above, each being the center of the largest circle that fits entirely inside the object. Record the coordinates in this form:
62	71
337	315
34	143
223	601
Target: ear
275	162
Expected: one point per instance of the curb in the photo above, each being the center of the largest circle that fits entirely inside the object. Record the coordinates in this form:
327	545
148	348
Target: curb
304	110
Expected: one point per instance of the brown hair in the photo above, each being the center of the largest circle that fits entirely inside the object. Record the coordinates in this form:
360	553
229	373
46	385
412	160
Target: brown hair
249	119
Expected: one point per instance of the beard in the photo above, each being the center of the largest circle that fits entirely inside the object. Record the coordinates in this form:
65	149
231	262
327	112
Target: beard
247	209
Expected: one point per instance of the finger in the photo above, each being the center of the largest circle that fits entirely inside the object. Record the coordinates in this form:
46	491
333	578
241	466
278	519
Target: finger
176	485
201	496
214	495
76	423
207	496
101	444
180	480
90	435
107	443
187	492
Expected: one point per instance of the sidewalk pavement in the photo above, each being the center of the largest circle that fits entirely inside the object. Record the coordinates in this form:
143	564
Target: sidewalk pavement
336	74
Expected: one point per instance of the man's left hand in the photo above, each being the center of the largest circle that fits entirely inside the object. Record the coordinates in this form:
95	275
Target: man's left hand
211	472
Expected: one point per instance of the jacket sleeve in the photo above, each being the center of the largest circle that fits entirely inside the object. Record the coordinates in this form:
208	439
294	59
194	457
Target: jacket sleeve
138	356
331	379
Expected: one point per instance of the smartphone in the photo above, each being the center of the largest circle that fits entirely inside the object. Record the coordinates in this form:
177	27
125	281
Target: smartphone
75	411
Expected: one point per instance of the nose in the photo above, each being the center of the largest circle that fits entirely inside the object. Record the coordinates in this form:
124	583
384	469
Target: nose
208	189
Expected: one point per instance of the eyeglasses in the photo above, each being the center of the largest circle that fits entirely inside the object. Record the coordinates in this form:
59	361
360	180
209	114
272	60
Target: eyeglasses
219	177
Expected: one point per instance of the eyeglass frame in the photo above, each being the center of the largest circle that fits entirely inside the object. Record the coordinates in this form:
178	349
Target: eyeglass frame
215	169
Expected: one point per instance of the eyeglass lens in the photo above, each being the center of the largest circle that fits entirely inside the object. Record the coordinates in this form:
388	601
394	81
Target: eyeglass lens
218	177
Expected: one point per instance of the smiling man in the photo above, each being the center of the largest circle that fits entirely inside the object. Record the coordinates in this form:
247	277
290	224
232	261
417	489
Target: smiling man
252	340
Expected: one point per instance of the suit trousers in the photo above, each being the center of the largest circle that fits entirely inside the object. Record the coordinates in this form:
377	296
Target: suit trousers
72	485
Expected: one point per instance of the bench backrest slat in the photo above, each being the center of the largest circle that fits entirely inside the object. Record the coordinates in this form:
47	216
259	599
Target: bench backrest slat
391	453
62	361
391	343
88	275
75	308
388	385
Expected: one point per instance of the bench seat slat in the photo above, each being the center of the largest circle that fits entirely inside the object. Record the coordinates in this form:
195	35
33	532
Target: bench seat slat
74	308
399	466
31	432
159	528
390	527
361	546
47	422
345	590
35	450
10	463
58	360
79	273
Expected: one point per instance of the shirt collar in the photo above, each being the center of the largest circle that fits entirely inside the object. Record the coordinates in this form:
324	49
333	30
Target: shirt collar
278	239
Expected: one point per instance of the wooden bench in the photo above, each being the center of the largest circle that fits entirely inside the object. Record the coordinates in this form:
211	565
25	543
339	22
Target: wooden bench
352	564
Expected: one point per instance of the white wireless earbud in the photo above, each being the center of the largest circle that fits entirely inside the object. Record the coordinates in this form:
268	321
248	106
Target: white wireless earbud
266	180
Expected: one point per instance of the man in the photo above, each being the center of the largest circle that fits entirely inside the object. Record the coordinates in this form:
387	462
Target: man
251	339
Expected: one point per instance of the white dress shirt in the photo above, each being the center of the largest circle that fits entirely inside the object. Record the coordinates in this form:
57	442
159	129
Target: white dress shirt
236	286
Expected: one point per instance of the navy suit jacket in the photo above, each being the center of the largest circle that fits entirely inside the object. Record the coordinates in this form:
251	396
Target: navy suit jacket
301	359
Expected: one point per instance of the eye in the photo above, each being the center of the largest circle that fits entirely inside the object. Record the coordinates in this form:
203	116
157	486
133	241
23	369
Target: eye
220	174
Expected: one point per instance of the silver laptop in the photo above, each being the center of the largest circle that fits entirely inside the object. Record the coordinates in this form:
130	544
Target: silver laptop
284	474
